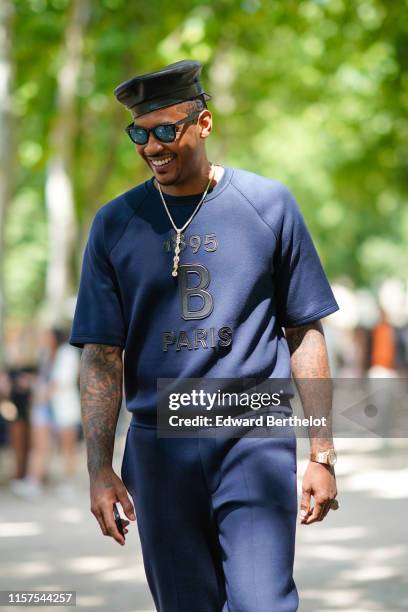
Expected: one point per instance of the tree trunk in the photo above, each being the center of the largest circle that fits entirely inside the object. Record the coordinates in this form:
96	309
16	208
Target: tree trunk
7	143
59	188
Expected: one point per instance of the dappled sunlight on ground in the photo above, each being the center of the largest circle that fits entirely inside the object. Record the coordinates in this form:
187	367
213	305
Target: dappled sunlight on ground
20	530
355	560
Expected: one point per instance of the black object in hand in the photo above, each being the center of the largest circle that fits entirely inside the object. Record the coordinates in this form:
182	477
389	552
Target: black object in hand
118	520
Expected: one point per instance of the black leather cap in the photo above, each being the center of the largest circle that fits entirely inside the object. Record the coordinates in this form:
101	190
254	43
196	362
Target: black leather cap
171	85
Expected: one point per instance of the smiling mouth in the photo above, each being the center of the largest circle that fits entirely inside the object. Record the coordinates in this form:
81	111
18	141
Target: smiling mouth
159	162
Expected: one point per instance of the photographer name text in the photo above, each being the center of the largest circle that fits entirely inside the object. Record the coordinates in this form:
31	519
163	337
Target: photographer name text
261	420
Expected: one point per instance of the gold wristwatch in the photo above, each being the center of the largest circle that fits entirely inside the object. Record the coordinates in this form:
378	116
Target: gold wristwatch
327	457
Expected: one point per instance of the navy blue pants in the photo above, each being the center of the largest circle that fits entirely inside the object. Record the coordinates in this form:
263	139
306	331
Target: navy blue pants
216	519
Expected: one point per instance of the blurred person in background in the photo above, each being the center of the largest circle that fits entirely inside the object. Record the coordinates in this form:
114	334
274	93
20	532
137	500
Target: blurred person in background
387	348
402	350
55	410
7	412
387	360
5	385
22	380
383	349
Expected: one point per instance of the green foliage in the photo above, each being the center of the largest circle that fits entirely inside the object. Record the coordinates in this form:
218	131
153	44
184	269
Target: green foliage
26	244
312	93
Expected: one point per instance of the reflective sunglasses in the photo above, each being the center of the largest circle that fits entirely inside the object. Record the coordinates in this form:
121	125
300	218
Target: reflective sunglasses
165	133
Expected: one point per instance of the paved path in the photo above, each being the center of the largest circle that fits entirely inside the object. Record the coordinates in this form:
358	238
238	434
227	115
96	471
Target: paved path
356	560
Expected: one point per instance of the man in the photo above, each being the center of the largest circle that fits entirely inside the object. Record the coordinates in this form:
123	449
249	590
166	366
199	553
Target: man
194	274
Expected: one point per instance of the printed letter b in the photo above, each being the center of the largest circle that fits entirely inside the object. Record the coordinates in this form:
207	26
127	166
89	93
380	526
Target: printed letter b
188	291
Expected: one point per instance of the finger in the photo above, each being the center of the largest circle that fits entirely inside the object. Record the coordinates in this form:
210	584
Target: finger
317	509
127	505
304	504
112	530
124	525
99	517
325	508
306	516
325	511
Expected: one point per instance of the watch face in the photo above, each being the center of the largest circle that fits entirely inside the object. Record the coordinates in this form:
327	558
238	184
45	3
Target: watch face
331	457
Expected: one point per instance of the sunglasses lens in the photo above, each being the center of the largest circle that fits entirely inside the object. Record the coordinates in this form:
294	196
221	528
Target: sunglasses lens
138	135
165	133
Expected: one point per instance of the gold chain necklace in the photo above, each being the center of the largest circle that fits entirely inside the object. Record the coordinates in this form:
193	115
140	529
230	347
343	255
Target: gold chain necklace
180	230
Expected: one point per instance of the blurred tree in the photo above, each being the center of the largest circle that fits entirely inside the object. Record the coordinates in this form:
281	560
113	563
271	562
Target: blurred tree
312	93
7	149
59	171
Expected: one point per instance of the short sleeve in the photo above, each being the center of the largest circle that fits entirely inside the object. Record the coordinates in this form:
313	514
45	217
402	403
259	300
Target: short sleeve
302	291
98	315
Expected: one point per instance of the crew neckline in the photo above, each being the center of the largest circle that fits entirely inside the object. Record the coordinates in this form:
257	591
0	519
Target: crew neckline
188	200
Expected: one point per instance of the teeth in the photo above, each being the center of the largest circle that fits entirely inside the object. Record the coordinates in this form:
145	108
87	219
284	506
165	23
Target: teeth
161	162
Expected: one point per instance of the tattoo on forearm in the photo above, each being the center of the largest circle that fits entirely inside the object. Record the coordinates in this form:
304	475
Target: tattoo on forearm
311	372
308	351
101	396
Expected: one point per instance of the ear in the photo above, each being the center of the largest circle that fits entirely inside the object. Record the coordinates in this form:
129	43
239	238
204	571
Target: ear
205	123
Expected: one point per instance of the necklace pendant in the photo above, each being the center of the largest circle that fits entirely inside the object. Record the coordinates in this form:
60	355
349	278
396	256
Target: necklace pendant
176	260
176	257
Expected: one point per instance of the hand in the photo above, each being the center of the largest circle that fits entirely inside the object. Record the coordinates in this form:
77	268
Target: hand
107	489
319	481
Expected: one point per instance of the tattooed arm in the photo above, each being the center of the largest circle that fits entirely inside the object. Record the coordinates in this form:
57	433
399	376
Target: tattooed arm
311	372
101	396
